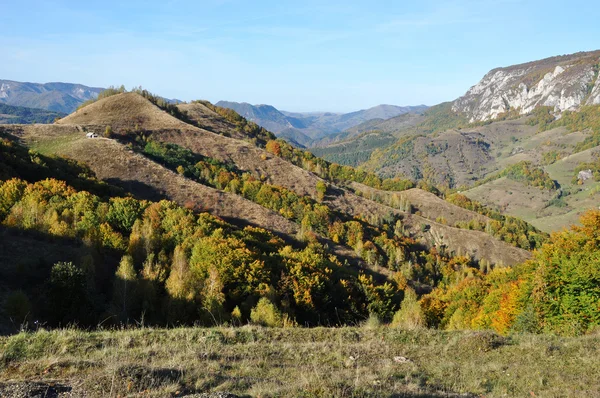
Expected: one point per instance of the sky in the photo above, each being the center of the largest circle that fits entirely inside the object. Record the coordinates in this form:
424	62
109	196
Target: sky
337	56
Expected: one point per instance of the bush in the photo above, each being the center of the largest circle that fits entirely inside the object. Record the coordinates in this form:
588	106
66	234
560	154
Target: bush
372	322
108	133
266	314
17	306
236	316
410	315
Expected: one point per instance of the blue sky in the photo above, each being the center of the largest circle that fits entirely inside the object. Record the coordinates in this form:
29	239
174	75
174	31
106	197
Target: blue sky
298	56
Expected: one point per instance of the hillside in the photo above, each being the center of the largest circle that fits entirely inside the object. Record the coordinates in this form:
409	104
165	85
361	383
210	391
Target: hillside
116	164
57	97
277	171
125	111
20	115
539	112
208	119
307	129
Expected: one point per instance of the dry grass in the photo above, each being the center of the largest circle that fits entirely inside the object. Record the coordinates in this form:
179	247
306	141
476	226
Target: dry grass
477	244
426	204
208	119
513	197
321	362
124	111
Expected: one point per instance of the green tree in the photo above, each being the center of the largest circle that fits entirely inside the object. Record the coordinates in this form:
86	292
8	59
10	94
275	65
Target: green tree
125	290
265	313
68	298
123	212
321	190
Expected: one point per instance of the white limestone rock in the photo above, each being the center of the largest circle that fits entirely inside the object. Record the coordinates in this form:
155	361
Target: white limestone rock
560	82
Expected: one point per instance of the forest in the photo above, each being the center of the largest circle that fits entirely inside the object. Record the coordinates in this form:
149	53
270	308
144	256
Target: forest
21	115
128	261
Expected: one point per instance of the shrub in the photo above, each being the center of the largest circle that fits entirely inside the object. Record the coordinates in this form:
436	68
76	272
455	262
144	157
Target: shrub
372	322
265	313
17	306
108	133
410	315
236	316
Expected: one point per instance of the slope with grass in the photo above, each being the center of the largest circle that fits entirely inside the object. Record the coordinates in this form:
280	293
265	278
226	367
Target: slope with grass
548	211
466	157
282	173
344	362
115	163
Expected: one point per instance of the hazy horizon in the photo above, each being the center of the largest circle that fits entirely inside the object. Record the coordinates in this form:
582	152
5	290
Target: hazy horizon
338	57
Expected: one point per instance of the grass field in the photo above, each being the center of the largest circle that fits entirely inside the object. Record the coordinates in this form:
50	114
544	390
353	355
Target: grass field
320	362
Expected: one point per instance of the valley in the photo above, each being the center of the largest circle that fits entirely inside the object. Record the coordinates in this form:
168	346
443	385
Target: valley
316	128
165	248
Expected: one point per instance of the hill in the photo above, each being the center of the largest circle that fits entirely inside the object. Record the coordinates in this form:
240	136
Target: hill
123	112
275	207
21	115
279	172
57	97
306	128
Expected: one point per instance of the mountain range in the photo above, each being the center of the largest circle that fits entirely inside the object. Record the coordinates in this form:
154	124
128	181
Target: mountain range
57	97
307	129
21	115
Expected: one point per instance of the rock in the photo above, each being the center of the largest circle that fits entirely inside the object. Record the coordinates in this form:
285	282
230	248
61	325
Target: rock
401	359
584	175
564	83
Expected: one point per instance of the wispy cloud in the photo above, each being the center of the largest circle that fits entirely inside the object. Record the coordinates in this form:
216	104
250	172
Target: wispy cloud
458	12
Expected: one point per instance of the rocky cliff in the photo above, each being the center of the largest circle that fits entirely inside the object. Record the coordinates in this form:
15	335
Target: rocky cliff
564	82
